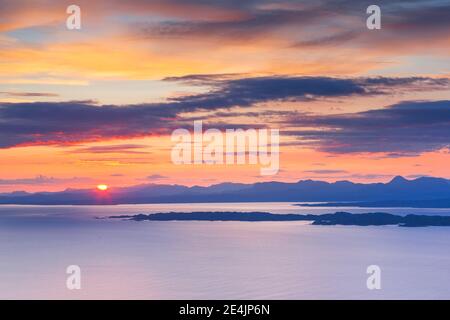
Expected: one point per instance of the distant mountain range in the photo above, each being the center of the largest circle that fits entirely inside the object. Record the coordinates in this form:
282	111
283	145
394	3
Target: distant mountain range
432	191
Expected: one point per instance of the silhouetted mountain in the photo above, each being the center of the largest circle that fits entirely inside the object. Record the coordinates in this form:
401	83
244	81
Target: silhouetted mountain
423	190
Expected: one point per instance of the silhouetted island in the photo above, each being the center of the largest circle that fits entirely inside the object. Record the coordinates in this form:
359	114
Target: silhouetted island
433	203
338	218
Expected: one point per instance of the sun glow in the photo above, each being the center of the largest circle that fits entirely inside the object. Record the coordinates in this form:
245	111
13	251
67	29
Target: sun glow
102	187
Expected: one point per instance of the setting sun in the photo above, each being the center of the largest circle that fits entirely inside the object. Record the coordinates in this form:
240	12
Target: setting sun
102	187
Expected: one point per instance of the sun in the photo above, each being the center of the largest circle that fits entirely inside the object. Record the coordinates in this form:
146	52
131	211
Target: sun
102	187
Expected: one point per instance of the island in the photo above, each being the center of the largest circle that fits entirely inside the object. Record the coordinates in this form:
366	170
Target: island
337	218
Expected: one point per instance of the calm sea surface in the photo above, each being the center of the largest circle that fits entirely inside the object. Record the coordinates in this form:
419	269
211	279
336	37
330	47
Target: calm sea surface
216	260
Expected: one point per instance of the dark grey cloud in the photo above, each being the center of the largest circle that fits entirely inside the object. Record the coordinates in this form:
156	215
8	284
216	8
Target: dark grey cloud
325	171
118	148
339	38
156	177
405	128
348	176
228	92
370	176
256	23
41	179
28	94
425	17
69	122
403	24
63	123
309	23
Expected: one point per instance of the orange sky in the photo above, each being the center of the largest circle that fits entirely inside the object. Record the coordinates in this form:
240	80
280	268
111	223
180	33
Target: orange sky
125	51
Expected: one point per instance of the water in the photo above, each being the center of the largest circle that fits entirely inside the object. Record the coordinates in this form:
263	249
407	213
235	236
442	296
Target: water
216	260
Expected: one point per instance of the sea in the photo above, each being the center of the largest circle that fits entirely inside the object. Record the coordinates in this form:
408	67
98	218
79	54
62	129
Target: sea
123	259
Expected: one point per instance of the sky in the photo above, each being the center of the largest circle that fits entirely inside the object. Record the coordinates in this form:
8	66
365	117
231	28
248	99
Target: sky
98	105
